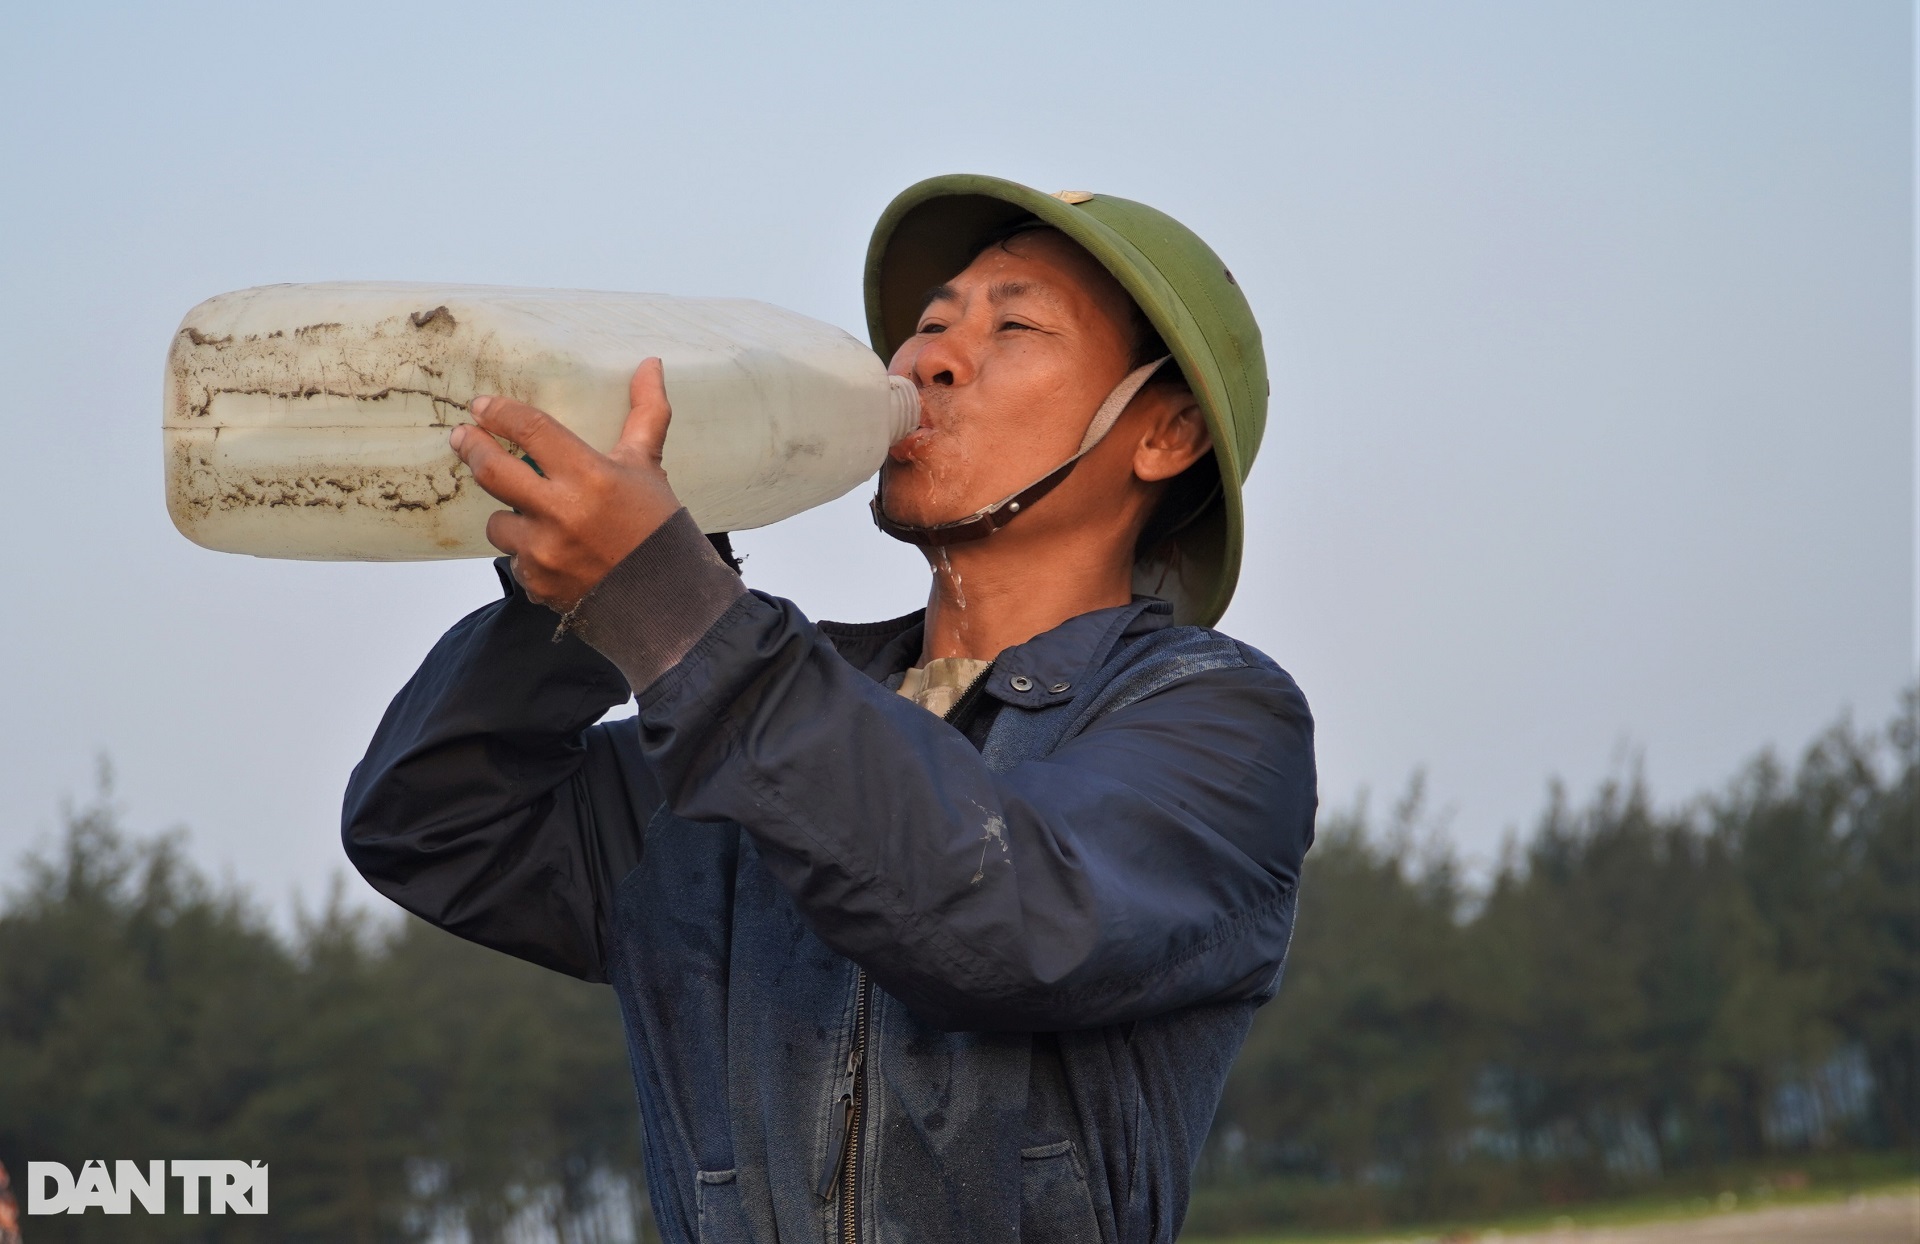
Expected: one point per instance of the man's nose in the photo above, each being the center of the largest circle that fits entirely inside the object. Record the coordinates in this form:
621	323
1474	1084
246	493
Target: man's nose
946	359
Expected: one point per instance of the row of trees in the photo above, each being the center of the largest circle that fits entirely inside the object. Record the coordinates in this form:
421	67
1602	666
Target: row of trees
401	1083
1635	993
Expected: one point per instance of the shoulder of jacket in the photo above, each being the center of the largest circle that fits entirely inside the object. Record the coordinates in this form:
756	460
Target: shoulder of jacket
1197	646
1160	659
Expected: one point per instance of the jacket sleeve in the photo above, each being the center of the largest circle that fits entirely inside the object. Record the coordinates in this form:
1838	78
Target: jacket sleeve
1148	864
490	804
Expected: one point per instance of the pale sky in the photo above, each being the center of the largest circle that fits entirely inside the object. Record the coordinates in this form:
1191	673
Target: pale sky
1591	329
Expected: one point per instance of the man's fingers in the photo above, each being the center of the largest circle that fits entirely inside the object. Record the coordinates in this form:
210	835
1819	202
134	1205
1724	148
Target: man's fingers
519	537
508	532
552	444
645	433
494	469
590	511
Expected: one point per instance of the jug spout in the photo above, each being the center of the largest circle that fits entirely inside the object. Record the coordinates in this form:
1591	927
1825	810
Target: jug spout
906	407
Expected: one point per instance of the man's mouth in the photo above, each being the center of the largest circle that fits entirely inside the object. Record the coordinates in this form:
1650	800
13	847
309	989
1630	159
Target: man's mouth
932	417
908	447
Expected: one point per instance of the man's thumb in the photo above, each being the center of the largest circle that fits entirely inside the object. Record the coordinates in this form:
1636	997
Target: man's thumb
648	415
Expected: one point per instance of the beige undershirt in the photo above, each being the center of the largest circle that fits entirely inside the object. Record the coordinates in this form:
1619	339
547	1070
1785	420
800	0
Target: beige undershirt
938	685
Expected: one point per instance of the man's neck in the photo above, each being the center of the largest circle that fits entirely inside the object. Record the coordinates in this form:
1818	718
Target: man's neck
989	595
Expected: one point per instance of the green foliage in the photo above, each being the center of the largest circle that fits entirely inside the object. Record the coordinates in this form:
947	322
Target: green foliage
1635	996
397	1079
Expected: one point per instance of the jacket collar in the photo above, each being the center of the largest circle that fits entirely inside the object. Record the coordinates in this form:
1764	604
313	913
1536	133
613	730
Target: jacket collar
1043	671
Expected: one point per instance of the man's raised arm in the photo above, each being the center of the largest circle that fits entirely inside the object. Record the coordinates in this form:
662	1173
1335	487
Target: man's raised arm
490	804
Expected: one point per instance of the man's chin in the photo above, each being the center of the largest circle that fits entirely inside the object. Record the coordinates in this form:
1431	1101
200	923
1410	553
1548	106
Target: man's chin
907	488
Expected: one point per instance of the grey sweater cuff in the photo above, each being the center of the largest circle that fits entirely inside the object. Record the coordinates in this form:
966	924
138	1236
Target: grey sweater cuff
654	606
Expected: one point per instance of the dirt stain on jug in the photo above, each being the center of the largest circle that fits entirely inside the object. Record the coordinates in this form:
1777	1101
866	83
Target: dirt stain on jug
201	485
315	391
439	319
446	365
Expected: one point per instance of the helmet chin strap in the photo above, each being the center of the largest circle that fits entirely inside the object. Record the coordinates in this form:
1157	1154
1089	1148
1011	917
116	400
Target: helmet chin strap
991	518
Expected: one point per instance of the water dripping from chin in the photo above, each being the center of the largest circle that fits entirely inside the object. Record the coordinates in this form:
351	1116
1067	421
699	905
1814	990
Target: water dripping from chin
953	577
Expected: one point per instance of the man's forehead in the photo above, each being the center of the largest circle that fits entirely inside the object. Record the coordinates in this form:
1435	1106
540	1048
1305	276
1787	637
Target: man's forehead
1048	265
1006	289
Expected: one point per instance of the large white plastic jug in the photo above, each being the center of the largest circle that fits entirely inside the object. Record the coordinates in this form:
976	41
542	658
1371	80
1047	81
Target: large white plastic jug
311	421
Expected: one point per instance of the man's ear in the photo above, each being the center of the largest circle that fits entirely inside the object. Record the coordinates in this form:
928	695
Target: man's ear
1176	437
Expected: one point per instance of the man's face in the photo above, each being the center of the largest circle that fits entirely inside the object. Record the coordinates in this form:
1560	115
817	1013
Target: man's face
1012	358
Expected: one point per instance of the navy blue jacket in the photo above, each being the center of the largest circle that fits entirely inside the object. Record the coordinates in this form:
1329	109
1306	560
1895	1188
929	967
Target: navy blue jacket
1027	939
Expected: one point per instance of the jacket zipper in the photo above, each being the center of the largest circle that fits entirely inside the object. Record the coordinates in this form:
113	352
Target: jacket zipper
843	1177
851	1119
856	1111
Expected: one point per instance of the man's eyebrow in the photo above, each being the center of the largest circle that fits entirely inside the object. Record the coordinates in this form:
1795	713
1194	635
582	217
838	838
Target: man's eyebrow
1003	291
999	291
939	293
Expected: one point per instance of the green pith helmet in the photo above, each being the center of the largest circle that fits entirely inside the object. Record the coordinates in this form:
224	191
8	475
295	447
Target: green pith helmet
927	234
